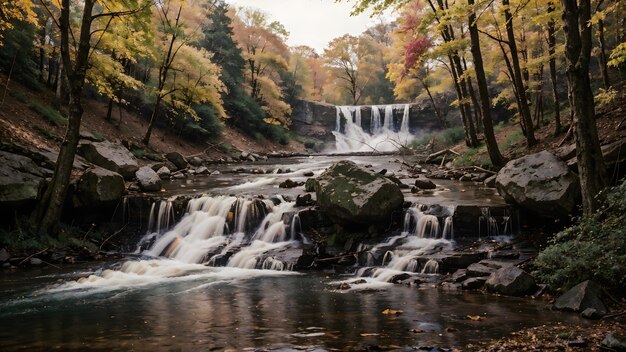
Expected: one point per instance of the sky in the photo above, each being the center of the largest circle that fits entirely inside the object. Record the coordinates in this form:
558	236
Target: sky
312	22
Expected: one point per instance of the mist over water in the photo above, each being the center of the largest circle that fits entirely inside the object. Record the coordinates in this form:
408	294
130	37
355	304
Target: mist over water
383	135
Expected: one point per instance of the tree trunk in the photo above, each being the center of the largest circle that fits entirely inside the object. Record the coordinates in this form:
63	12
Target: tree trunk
483	91
517	78
42	54
442	121
553	80
109	109
603	60
462	107
471	130
155	113
47	214
591	168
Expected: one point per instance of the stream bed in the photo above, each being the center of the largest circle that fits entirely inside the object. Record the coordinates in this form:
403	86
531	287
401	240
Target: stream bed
204	308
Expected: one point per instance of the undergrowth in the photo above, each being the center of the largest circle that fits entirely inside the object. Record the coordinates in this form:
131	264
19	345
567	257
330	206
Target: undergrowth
22	240
593	249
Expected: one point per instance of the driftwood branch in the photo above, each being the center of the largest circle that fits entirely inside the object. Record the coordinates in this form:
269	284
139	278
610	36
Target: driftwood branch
440	153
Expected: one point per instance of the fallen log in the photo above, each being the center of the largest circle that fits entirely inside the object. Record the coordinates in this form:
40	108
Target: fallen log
440	153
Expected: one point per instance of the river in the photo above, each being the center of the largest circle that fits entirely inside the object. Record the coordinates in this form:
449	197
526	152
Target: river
166	299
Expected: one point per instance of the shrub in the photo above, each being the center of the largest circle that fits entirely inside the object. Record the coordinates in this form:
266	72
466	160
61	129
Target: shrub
452	135
595	248
309	145
51	115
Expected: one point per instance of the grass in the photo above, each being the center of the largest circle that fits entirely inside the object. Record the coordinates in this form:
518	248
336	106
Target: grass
47	134
449	137
473	157
512	139
51	115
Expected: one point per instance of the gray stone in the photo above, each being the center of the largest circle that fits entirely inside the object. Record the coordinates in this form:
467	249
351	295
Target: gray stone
614	342
195	161
477	269
490	181
164	173
511	281
540	182
148	180
309	185
459	275
90	136
586	294
354	195
474	283
177	159
308	174
304	200
288	183
423	183
251	158
591	313
35	261
202	171
20	180
157	166
4	255
98	186
111	156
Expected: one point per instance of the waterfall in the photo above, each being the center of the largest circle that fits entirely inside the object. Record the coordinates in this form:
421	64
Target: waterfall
375	124
388	123
383	136
422	235
215	227
404	126
357	116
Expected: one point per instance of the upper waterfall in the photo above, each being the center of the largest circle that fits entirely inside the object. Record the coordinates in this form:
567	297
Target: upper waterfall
387	132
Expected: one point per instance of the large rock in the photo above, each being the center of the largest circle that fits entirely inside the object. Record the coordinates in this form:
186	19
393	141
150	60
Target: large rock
540	182
100	186
177	159
149	181
353	195
586	294
20	180
111	156
511	281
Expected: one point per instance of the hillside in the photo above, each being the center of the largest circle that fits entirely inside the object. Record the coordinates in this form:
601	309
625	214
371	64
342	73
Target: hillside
27	117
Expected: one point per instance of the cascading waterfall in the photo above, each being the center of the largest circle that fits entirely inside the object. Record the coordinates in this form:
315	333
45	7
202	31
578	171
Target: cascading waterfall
404	126
383	135
422	235
375	123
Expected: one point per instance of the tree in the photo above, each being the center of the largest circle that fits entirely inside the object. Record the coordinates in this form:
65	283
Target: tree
350	59
490	139
15	11
578	43
266	55
75	56
243	111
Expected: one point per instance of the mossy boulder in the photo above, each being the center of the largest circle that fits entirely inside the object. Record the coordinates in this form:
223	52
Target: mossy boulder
352	195
100	186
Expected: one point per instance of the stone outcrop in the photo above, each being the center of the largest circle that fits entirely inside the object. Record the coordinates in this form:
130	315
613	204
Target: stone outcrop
177	159
98	186
20	180
587	294
149	181
540	182
111	156
354	195
511	281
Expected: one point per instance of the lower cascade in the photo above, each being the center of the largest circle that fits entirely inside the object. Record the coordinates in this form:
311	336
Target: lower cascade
229	231
386	133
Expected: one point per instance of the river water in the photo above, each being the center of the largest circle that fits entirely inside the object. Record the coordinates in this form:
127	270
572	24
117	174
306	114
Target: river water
164	298
228	308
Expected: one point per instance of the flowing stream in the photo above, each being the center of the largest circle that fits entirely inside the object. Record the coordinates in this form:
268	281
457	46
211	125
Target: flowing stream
225	276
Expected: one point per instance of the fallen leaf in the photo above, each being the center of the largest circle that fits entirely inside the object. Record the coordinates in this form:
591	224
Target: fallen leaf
474	317
417	331
392	311
365	334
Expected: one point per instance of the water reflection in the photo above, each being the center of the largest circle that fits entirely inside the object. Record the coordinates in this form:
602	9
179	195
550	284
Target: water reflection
258	312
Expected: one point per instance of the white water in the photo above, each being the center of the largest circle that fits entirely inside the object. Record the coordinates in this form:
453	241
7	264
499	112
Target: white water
383	136
422	235
250	231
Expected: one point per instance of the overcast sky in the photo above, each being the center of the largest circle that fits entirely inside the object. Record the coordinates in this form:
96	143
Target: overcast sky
311	22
